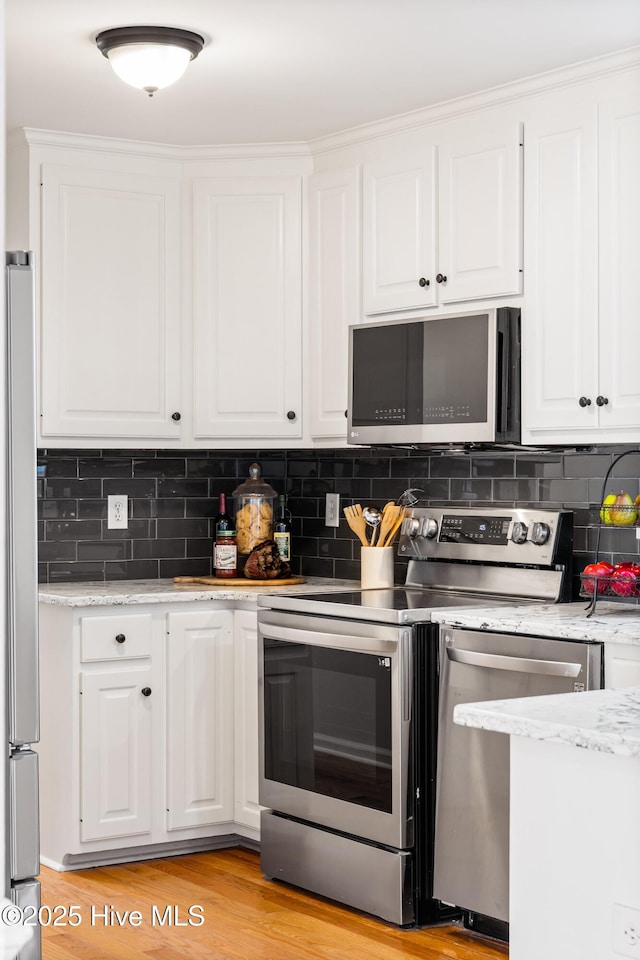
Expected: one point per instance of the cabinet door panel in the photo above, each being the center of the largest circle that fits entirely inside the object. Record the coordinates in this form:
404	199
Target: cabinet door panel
199	719
480	214
398	243
110	266
247	759
334	297
619	259
247	302
560	335
115	754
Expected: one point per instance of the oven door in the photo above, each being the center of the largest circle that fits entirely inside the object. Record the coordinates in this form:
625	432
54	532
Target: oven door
336	724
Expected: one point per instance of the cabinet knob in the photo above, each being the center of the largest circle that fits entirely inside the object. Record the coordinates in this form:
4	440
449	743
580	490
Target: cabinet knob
146	691
120	638
346	413
585	401
291	414
424	282
602	401
176	416
440	278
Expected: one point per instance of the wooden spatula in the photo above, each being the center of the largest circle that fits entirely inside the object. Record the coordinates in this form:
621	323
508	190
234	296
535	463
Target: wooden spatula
357	522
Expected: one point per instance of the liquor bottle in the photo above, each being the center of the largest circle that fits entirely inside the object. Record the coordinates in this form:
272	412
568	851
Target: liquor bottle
282	529
225	551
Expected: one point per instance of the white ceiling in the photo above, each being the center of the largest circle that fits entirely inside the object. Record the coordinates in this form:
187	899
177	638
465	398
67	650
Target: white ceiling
288	70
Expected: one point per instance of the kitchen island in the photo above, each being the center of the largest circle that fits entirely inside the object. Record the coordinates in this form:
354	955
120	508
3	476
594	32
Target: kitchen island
574	823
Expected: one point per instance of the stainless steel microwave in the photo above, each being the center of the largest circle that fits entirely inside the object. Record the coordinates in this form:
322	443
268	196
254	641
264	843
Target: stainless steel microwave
442	380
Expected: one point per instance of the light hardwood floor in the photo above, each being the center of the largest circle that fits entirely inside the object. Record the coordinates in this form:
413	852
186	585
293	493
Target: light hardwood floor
245	918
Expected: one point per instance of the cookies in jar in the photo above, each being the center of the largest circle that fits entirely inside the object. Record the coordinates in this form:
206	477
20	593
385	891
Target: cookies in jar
254	508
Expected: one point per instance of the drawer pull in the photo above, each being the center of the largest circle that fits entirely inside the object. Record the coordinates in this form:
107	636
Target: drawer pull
120	638
146	691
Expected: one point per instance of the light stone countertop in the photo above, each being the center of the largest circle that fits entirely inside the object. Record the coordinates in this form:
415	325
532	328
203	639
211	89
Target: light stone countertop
612	622
125	592
603	720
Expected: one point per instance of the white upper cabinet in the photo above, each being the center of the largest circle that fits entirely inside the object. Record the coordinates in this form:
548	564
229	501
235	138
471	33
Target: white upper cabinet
399	233
472	248
480	210
561	240
334	296
247	307
110	299
169	301
583	247
619	299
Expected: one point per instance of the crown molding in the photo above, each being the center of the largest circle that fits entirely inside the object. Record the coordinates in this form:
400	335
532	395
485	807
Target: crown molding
161	151
585	70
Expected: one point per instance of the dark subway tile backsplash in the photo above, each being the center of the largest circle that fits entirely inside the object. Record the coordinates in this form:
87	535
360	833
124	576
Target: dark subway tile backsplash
174	499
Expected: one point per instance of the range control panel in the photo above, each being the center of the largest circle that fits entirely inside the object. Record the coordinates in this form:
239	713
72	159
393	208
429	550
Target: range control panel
474	529
491	534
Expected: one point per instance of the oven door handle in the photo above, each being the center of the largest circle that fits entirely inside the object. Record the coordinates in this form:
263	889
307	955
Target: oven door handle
342	641
494	661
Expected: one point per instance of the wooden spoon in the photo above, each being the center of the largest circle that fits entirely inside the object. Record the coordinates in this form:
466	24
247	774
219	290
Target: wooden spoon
394	529
389	520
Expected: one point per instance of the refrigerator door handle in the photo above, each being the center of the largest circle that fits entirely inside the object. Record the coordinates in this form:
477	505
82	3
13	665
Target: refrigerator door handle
24	815
22	521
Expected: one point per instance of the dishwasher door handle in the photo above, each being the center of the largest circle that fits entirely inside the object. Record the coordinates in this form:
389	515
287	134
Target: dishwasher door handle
495	661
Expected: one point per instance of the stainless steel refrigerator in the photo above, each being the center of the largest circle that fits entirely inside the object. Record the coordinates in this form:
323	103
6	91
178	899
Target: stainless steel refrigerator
19	558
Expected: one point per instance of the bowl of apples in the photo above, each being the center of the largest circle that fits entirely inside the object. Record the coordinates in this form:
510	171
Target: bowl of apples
603	578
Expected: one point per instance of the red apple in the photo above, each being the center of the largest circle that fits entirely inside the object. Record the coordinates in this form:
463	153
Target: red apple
594	576
624	582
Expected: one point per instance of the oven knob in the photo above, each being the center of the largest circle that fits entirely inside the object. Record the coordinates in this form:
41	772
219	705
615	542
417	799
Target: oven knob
429	528
539	533
519	532
411	526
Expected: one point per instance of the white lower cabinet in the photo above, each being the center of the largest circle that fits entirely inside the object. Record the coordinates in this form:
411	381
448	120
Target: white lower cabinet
115	752
141	751
621	665
199	718
247	744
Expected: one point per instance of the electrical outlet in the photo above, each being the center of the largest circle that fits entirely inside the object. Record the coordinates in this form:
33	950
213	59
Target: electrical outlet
626	931
332	510
117	511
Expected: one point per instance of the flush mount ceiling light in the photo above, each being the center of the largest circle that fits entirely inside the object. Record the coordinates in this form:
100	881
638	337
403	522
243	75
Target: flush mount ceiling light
149	58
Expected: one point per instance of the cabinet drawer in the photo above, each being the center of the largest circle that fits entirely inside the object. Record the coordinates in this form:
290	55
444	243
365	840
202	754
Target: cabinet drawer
115	638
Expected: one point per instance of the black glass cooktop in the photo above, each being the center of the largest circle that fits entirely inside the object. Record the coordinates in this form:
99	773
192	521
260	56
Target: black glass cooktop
393	605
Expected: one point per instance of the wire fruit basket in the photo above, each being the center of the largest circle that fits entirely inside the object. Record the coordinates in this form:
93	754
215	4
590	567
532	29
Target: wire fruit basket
603	578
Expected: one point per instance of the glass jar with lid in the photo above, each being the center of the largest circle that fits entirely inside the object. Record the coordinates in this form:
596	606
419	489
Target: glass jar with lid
254	507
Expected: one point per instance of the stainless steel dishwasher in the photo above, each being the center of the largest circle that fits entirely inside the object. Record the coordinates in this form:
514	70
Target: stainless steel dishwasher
471	868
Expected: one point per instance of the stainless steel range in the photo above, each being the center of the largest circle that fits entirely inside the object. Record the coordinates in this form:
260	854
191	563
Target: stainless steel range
348	685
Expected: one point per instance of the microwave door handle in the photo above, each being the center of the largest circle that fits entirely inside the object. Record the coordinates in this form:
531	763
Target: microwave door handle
494	661
336	640
503	385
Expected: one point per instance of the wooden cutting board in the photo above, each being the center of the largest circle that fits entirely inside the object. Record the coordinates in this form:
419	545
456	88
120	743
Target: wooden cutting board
240	582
